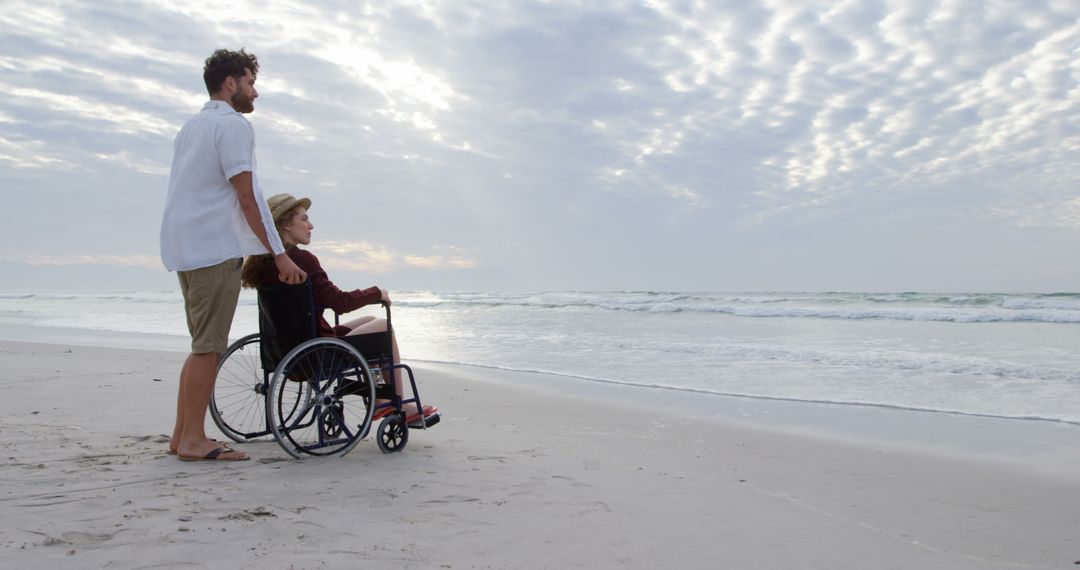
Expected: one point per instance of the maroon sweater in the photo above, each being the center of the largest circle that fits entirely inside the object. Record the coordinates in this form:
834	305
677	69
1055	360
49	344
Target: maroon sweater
327	295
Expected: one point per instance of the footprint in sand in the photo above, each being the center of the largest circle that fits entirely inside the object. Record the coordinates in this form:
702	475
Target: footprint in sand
498	458
249	514
79	538
452	499
265	460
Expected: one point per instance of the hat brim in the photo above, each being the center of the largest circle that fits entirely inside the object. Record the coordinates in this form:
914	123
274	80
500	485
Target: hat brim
278	210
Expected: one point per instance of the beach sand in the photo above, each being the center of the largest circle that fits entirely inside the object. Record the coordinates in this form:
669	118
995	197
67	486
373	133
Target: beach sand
520	474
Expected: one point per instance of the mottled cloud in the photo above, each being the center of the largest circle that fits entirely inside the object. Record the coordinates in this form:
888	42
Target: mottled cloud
570	141
899	96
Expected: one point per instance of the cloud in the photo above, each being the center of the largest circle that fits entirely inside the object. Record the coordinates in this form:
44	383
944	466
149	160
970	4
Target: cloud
367	256
31	154
540	136
439	262
896	96
125	120
146	261
131	161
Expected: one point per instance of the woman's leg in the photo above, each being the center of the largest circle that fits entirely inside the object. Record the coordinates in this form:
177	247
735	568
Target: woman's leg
358	322
377	326
374	325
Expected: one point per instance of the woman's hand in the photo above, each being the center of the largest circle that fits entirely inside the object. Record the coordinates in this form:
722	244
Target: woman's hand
385	298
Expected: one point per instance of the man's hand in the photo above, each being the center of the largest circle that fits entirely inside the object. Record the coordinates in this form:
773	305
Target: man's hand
288	272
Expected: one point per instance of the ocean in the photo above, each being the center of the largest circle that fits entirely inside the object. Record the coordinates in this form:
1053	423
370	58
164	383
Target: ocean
997	355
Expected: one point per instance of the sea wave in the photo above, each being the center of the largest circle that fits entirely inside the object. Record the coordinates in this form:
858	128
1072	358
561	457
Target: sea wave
156	297
1013	310
753	396
911	314
1056	304
955	308
895	360
712	338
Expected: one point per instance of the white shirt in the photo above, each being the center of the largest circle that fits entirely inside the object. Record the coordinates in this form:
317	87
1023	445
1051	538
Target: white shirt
203	223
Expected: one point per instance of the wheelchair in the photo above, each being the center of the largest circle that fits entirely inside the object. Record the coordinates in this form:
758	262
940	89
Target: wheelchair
313	395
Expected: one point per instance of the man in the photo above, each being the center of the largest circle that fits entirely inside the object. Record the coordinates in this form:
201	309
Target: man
215	215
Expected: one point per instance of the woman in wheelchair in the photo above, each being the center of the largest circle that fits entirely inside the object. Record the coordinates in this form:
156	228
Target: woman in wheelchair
294	226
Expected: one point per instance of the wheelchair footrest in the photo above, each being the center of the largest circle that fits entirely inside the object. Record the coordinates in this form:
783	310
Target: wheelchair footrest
425	423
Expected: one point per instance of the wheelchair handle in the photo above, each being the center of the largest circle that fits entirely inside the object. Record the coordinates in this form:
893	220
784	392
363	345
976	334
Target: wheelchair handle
386	306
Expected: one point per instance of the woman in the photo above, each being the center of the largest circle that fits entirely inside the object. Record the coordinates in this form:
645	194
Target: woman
294	226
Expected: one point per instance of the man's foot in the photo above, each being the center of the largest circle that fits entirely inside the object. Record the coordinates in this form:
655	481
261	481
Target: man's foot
218	454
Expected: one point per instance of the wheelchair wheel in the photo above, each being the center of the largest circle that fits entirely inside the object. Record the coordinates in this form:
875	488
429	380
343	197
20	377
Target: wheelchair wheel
321	399
237	404
393	434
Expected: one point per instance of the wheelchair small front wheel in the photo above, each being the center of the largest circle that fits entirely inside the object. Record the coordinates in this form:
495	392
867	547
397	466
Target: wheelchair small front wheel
393	434
237	404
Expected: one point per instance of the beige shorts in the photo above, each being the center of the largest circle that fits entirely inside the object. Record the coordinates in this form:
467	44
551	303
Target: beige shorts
210	295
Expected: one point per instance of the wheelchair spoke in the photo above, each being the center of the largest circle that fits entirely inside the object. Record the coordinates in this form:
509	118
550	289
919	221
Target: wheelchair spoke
302	412
237	405
322	420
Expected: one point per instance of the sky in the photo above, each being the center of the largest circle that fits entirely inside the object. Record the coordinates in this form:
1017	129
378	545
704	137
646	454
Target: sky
542	145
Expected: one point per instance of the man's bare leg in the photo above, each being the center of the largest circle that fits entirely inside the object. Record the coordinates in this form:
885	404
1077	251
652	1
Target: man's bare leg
196	385
178	429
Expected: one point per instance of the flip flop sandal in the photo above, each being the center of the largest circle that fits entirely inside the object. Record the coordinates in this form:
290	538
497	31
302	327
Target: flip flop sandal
224	444
218	454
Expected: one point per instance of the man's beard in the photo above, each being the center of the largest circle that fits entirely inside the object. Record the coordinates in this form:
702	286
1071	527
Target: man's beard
242	103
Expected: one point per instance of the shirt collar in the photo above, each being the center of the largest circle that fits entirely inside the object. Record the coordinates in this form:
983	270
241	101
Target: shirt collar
221	107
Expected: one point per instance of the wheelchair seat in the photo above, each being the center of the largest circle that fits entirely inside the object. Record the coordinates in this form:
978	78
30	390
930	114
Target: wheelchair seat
288	317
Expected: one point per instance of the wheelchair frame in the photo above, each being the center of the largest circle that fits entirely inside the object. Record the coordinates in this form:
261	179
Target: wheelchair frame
320	396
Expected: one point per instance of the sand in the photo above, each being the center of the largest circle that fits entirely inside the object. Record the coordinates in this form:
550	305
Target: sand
522	473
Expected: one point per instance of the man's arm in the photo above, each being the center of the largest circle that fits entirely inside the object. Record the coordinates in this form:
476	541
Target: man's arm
245	192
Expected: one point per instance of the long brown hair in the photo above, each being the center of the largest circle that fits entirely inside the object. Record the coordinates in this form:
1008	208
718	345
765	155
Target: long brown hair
255	266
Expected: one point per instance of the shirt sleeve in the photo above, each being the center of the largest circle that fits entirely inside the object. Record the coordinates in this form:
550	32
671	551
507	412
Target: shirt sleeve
276	247
236	151
236	147
326	293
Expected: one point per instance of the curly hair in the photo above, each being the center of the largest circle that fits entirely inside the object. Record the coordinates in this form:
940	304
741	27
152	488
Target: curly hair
227	63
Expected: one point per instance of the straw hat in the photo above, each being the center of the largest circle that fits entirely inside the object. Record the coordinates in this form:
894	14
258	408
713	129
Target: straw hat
281	203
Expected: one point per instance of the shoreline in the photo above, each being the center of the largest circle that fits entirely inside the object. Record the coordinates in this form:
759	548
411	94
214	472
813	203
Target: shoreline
1049	448
1051	444
520	474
